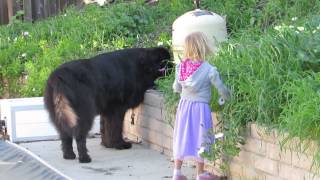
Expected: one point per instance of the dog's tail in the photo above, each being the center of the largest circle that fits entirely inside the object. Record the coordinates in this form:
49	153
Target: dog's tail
59	106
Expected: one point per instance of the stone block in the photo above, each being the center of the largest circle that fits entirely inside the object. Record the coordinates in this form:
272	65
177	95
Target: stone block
151	112
274	152
311	176
244	157
270	177
266	165
236	169
302	160
153	98
155	125
255	145
252	174
291	173
155	137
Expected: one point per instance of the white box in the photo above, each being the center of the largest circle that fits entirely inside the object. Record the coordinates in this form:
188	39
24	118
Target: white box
28	120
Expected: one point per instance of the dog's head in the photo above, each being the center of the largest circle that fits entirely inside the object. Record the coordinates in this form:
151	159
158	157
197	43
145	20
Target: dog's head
158	62
155	63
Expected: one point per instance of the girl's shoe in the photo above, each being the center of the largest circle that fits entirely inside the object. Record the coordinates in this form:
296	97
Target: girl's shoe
206	176
179	177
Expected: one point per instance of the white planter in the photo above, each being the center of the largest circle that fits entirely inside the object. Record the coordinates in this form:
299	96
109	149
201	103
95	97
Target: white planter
28	120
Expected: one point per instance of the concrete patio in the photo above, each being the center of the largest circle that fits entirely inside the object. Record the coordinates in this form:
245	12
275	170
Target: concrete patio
140	162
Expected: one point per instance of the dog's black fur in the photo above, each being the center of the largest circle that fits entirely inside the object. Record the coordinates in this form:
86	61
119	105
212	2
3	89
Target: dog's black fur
108	84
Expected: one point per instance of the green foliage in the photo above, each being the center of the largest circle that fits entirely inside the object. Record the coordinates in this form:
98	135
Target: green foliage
260	14
300	115
29	52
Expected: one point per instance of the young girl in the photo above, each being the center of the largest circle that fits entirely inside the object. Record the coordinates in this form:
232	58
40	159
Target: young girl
194	78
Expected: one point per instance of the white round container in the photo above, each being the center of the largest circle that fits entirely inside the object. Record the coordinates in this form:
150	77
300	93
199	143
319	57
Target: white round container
211	24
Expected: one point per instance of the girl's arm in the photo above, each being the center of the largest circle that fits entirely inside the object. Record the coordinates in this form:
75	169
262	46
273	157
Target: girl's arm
217	82
176	85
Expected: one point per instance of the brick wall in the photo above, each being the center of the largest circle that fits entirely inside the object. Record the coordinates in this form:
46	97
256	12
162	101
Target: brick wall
261	157
150	124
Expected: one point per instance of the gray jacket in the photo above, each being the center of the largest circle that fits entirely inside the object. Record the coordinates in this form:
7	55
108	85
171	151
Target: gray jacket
197	87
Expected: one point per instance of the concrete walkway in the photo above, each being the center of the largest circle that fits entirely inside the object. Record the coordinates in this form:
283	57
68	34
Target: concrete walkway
140	162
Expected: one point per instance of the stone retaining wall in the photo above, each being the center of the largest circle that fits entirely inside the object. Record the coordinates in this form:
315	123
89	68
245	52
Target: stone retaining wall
150	124
260	158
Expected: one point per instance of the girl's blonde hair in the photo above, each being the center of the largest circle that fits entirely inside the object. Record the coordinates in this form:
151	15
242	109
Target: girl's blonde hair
197	46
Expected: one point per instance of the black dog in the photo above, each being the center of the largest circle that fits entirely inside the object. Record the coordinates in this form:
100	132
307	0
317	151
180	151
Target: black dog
108	84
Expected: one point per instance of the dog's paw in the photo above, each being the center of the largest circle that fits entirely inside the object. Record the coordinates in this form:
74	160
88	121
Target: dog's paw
84	158
123	145
69	155
107	145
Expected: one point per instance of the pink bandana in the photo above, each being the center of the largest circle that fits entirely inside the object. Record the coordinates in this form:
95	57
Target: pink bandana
187	67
